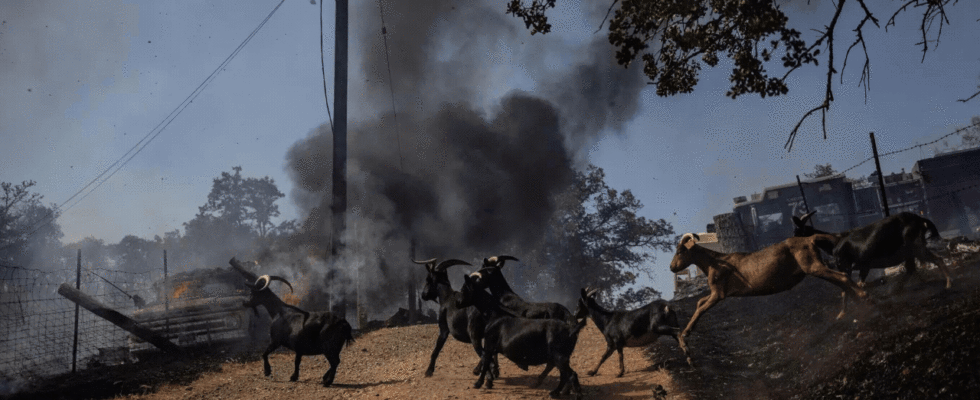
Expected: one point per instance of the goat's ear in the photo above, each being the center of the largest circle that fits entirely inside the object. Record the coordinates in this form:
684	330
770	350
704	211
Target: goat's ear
797	221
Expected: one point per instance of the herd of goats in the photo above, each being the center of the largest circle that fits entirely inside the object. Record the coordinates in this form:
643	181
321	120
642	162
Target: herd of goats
501	322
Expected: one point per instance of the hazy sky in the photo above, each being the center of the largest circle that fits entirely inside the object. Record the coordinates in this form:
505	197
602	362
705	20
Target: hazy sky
82	82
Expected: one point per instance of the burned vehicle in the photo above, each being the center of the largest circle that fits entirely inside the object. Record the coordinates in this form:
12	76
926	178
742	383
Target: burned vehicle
202	308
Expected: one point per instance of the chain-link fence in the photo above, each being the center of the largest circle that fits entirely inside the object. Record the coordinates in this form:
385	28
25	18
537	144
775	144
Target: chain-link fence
38	327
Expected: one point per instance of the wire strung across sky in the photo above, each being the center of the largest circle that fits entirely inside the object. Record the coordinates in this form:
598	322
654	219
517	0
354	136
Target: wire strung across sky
142	143
958	131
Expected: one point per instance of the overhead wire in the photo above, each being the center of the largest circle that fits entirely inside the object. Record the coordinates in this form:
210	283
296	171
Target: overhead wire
391	90
152	134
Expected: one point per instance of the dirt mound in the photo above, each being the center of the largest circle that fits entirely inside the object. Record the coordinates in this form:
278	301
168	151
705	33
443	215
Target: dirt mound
917	342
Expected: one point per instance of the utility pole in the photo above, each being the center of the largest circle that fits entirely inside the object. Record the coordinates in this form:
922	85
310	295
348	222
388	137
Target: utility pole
339	190
881	177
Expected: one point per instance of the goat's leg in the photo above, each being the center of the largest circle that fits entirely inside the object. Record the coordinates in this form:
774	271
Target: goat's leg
709	302
265	358
334	359
704	305
622	366
478	347
484	372
563	374
544	374
609	350
841	280
441	341
295	377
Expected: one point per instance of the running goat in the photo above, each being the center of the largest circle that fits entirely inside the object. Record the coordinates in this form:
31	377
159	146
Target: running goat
882	244
635	328
465	324
491	277
776	268
303	332
524	341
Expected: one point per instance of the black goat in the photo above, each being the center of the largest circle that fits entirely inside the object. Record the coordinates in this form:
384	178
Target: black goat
491	277
465	324
635	328
882	244
524	341
303	332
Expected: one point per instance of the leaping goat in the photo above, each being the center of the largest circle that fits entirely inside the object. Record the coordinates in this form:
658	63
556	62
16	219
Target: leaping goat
306	333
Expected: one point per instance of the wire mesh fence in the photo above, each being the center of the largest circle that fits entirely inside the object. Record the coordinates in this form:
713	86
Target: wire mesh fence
38	326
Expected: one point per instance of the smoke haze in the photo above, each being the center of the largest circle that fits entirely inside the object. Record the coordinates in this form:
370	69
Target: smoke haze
465	173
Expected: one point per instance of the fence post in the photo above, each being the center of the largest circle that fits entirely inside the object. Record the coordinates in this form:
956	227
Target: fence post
881	177
78	285
166	307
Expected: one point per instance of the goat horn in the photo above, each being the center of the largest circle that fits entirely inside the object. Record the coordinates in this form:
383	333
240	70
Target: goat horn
449	263
424	261
807	216
280	279
261	283
498	261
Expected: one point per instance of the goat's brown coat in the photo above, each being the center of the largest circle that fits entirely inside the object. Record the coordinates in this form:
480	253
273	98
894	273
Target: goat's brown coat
774	269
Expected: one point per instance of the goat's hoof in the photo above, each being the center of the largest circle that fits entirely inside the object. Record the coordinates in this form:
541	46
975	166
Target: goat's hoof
592	373
554	394
327	383
428	373
476	371
294	378
620	375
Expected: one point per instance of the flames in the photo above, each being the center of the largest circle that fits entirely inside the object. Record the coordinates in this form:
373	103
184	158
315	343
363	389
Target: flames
180	289
301	286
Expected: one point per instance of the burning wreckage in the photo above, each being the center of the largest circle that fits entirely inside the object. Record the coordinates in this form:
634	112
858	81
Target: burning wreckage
206	307
202	307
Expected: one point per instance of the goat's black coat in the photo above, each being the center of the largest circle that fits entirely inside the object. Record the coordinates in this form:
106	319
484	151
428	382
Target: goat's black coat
634	328
306	333
491	277
881	244
465	324
524	341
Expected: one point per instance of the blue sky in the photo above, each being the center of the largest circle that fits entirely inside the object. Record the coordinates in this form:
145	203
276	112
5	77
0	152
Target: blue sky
80	85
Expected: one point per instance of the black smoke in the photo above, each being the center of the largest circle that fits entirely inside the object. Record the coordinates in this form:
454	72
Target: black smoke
459	174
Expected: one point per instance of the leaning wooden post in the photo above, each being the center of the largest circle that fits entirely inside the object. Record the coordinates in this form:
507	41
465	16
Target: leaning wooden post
78	286
116	318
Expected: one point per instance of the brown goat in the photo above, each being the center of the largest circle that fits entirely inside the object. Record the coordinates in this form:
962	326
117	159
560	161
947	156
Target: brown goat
774	269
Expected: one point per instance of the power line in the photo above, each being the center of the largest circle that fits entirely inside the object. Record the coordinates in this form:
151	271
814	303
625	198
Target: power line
920	145
391	90
152	134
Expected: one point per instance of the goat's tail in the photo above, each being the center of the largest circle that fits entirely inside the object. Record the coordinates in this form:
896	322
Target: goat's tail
932	228
577	327
348	335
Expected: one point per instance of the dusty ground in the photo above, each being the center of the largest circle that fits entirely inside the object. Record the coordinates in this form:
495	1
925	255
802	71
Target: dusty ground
920	342
384	364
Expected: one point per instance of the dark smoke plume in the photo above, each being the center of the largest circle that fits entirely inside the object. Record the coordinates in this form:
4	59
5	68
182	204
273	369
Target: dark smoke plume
461	180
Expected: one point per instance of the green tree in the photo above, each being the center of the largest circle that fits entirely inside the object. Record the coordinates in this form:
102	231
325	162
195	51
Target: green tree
242	203
236	220
675	39
26	226
596	238
137	254
820	171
